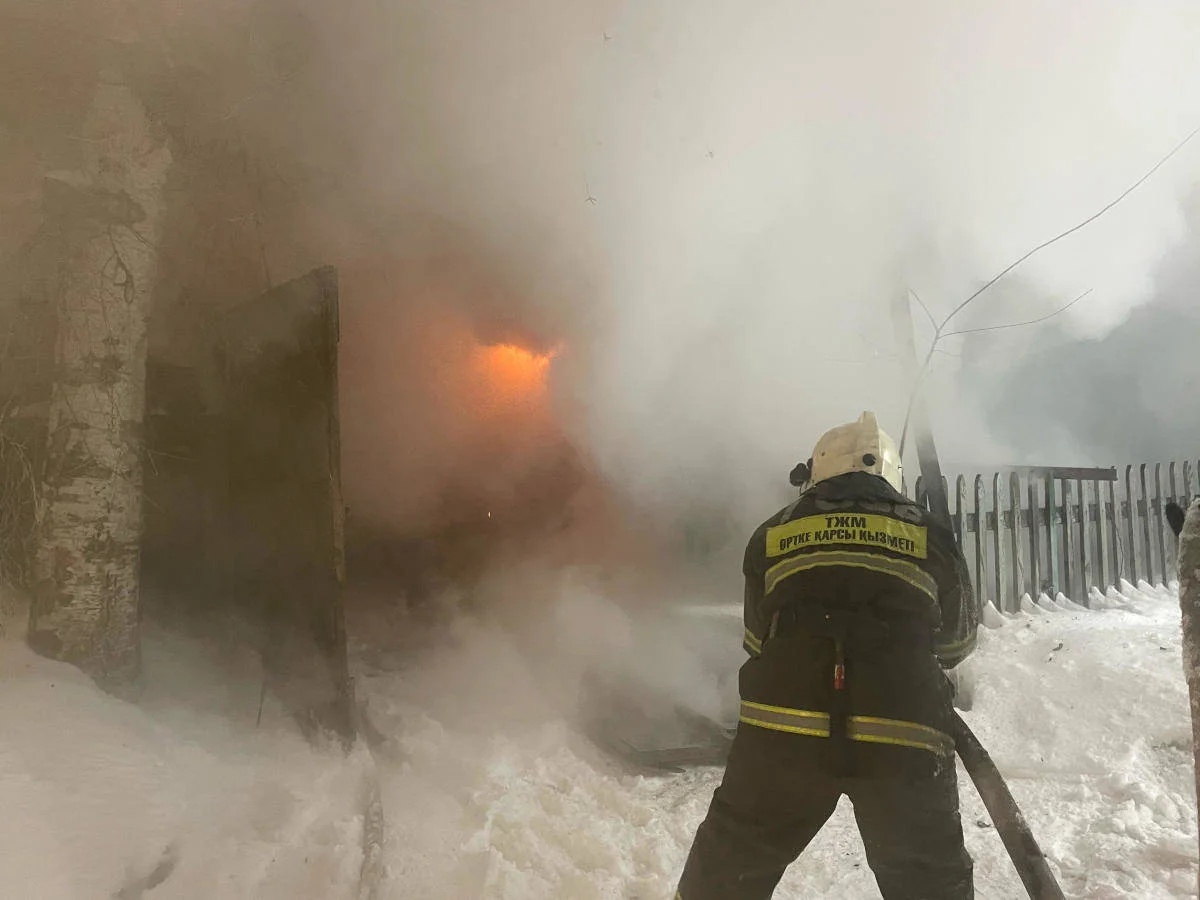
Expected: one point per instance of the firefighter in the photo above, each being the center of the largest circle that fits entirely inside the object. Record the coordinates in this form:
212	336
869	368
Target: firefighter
856	603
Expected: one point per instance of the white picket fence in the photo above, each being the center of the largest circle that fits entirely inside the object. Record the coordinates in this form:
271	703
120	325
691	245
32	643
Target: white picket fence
1047	530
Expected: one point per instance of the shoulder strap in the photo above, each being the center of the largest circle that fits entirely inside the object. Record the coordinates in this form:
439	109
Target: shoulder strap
786	515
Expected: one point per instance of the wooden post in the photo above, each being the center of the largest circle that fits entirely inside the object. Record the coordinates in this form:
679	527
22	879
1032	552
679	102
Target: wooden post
1189	605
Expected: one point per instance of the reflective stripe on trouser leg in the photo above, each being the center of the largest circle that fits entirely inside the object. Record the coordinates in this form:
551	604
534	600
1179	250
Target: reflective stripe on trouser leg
864	729
780	718
874	730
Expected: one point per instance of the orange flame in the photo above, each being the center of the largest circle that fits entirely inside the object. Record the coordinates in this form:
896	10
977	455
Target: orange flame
514	375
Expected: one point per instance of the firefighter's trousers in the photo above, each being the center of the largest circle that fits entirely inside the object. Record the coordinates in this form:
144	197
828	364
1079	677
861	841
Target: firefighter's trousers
776	796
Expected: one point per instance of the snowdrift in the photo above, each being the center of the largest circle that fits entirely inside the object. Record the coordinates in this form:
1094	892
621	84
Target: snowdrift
1085	711
489	792
101	798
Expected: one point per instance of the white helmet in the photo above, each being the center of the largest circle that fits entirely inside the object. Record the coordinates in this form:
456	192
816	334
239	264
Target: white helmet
861	446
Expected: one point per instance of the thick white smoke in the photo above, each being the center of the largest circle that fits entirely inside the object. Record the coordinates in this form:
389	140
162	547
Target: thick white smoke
710	205
767	182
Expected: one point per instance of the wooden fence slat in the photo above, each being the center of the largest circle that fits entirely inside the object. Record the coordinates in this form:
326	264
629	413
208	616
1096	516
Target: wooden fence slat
1062	537
1173	486
1064	552
998	571
979	539
1144	513
1053	564
960	491
1160	525
1081	541
1114	531
1081	535
1131	505
1034	549
1099	570
1014	545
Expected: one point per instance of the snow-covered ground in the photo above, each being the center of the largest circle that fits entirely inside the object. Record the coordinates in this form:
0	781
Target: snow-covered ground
489	793
95	793
1084	711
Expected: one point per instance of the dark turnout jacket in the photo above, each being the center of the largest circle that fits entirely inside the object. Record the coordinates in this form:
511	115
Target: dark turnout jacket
855	601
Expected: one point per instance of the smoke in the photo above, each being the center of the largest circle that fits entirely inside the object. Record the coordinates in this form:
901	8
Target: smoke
1120	397
708	210
770	182
709	213
705	210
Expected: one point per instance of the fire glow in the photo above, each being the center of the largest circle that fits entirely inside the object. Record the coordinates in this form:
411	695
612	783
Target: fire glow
512	375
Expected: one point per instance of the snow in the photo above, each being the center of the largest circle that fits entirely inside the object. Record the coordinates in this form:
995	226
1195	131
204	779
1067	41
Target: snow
490	793
96	792
1085	711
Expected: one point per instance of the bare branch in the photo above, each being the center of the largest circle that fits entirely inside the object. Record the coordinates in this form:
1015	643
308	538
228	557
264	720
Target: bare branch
928	314
1092	218
1061	309
940	331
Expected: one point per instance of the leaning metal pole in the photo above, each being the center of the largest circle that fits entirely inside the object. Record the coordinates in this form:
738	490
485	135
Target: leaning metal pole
1014	831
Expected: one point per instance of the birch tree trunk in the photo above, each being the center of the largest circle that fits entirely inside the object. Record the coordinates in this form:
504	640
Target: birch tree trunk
1189	603
86	600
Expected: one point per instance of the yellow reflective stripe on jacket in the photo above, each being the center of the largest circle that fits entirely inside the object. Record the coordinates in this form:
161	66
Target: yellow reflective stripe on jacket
908	572
865	729
956	648
752	642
